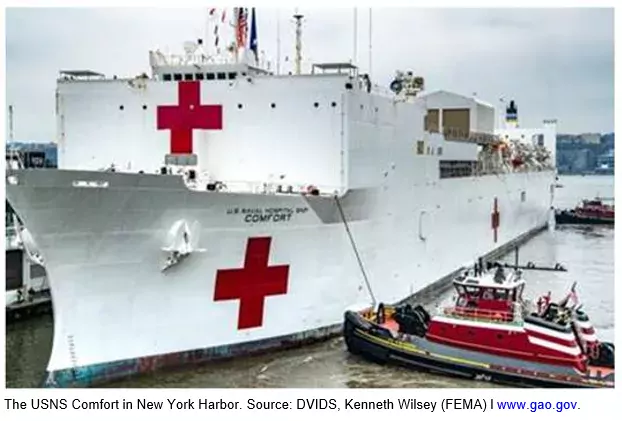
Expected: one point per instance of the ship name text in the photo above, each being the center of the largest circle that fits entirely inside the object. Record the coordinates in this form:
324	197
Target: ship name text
270	214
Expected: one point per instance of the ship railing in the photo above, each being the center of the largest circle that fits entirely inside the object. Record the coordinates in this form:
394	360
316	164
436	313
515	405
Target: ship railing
513	316
268	188
462	135
382	91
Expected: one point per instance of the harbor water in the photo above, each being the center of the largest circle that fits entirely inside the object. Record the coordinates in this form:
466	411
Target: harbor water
587	253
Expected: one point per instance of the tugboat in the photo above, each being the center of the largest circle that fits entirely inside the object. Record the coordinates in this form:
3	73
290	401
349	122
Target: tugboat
589	212
490	333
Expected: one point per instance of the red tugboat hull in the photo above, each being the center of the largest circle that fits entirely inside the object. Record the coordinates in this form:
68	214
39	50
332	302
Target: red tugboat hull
589	212
378	343
490	333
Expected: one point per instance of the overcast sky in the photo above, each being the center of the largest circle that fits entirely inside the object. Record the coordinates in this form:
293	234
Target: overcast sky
556	63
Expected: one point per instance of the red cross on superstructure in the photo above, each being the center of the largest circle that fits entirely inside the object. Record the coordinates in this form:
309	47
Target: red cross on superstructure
495	219
182	119
252	283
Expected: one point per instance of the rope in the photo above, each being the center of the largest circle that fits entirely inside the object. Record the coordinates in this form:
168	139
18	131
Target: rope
358	258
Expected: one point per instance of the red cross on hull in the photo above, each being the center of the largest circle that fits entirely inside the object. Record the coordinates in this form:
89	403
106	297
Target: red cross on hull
182	119
252	283
496	216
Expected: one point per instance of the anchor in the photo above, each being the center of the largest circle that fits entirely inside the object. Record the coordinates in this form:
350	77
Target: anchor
183	242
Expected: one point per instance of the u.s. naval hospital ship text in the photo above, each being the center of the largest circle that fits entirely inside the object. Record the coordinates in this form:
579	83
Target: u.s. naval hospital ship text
215	209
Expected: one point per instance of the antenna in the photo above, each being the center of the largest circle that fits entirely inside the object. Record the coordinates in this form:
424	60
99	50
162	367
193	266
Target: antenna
355	40
370	38
298	18
11	133
208	21
278	42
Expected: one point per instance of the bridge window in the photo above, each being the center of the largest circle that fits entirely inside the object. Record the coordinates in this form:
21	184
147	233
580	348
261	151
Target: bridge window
221	76
523	196
199	76
210	76
177	76
232	75
188	76
439	150
420	147
167	77
473	291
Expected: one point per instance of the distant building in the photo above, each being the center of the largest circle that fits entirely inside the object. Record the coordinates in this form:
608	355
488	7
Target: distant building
591	138
32	153
605	164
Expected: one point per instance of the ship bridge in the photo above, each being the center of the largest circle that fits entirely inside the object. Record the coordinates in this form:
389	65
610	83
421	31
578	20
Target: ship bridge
199	66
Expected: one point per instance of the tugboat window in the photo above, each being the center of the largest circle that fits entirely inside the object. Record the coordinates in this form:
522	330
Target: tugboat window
199	76
188	76
210	76
221	76
232	75
501	294
167	77
177	76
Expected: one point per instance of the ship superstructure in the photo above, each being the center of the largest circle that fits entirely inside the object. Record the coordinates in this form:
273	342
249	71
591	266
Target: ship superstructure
215	208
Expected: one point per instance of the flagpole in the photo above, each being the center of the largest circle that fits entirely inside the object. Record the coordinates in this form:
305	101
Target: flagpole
206	40
355	37
278	42
370	39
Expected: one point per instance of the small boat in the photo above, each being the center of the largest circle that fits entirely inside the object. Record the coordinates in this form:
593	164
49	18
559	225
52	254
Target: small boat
591	212
490	333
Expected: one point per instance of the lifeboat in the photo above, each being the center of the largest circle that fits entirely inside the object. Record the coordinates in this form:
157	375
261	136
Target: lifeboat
489	333
590	212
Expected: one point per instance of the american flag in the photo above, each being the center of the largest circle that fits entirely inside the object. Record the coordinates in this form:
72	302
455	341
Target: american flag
241	26
573	295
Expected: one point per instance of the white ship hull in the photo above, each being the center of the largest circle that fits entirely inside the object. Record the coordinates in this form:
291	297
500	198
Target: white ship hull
146	269
117	313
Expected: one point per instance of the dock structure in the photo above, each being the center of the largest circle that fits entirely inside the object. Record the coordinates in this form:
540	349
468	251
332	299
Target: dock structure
36	305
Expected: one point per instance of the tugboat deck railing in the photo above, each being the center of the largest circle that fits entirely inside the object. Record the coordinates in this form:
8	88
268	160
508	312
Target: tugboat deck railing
514	317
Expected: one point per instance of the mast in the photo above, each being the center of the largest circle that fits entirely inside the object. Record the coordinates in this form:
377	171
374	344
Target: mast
370	39
278	42
11	132
355	37
298	18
